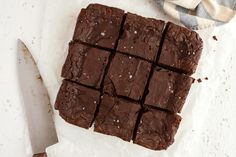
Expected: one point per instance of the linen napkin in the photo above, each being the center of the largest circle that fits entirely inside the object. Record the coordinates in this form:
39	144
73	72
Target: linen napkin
199	14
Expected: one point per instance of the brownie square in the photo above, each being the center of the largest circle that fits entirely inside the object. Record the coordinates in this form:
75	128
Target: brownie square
85	65
40	155
99	25
117	117
141	36
168	90
77	104
127	76
181	49
157	129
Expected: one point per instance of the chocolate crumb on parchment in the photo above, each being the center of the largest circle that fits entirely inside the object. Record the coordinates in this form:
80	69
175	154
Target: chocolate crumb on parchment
215	38
199	80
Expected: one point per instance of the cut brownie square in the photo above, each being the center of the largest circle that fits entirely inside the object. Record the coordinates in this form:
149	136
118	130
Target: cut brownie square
181	49
157	129
77	104
141	36
40	155
99	25
117	117
127	76
168	90
85	65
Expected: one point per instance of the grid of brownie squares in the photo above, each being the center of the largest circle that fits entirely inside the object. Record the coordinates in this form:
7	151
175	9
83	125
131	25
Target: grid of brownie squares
129	75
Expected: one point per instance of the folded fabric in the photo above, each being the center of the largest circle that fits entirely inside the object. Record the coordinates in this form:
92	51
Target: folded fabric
185	3
199	14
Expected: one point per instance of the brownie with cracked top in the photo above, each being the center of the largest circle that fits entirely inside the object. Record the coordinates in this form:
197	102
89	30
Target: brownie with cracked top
117	117
181	49
157	129
127	76
141	36
40	155
168	90
85	64
77	104
99	25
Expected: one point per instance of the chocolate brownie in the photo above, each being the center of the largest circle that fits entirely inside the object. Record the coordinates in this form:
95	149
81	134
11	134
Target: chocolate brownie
117	117
77	104
85	65
141	36
168	90
157	129
181	49
99	25
40	155
127	76
140	67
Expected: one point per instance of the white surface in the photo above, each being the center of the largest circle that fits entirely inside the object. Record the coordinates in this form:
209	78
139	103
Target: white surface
208	126
18	19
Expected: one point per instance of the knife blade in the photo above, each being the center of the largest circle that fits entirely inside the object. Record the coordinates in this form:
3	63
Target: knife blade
35	100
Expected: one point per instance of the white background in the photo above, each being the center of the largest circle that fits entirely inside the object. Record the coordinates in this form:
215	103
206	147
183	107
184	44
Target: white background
208	126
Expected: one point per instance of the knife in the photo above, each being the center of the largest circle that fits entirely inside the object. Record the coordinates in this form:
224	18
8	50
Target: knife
36	104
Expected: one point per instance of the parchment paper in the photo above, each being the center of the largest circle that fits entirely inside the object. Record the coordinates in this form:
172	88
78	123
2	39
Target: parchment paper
208	126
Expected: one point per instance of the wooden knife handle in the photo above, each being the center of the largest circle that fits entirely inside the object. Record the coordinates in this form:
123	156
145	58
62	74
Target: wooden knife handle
40	155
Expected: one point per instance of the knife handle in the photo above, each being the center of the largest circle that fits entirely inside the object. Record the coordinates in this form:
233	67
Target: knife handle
40	155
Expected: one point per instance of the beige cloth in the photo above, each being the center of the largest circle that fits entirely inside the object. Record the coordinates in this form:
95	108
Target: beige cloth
199	14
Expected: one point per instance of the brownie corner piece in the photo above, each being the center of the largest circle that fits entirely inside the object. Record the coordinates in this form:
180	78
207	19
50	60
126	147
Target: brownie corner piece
181	49
157	129
168	90
40	155
99	25
117	117
141	36
77	104
127	76
85	64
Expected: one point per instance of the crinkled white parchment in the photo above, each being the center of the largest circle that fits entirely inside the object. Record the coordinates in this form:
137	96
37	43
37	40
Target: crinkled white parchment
208	126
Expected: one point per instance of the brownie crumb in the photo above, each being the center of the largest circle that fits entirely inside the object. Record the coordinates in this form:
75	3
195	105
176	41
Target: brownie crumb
199	80
39	77
206	78
215	38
